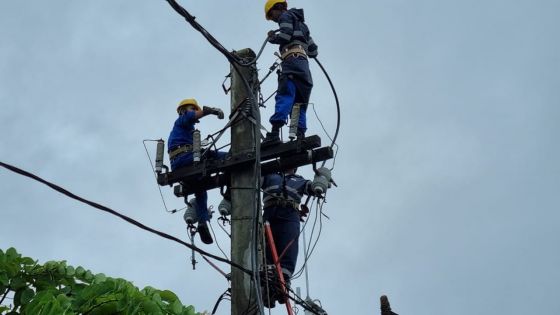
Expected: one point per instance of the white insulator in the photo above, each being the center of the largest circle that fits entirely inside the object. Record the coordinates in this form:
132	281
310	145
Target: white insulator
190	215
321	180
225	207
196	146
159	155
294	119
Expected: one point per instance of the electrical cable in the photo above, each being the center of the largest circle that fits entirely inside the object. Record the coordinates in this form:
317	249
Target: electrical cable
222	297
153	170
217	243
122	216
325	131
336	99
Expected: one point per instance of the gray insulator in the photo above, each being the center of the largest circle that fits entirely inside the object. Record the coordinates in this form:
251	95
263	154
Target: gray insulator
294	119
196	146
225	207
321	180
159	155
190	214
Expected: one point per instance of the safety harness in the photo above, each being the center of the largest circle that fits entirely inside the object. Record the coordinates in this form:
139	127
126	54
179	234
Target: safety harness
293	51
185	148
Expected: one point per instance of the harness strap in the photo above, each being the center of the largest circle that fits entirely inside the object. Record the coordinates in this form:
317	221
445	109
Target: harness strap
284	203
296	51
186	148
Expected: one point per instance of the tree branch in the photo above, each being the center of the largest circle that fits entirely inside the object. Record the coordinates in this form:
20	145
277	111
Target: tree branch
5	294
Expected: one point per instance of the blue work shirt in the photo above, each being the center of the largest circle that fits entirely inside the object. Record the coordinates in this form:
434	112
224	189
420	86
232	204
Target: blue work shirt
291	187
181	134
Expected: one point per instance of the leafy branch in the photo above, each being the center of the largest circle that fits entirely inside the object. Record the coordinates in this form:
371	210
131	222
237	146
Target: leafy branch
57	288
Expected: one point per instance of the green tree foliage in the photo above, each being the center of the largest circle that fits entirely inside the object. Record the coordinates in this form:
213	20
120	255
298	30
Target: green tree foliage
56	288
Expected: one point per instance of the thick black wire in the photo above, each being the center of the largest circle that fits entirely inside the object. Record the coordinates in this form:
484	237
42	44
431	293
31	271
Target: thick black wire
222	297
122	216
234	60
336	99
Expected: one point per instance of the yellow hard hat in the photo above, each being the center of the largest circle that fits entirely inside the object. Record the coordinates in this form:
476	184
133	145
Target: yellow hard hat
188	101
269	4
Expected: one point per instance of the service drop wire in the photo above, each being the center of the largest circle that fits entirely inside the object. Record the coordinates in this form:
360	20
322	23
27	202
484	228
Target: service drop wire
122	216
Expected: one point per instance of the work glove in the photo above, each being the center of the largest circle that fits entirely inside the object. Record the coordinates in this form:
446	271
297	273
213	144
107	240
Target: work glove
313	54
206	110
271	35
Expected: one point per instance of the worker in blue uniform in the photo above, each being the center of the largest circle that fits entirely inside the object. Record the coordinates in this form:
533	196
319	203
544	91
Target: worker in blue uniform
294	79
282	194
180	149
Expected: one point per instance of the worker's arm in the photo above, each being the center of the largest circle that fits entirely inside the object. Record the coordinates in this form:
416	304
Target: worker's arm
284	35
206	110
312	49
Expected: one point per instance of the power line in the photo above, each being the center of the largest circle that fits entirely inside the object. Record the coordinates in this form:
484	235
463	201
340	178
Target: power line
122	216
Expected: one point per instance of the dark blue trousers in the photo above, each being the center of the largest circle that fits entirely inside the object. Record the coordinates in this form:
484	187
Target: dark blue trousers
285	224
294	86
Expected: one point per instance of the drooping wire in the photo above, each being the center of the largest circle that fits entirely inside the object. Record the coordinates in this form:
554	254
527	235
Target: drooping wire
336	99
335	145
154	171
217	243
122	216
224	296
307	256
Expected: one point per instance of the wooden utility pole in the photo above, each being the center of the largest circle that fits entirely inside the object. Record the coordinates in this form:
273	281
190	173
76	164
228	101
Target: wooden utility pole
245	140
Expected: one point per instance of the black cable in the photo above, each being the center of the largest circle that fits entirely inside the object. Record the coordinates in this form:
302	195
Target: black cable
122	216
336	99
159	187
320	210
222	297
213	41
325	131
217	243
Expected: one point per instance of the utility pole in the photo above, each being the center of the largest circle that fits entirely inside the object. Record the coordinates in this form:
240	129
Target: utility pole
245	193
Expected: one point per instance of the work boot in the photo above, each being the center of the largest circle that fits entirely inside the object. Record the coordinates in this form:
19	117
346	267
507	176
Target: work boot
272	137
269	286
300	134
280	296
269	300
204	233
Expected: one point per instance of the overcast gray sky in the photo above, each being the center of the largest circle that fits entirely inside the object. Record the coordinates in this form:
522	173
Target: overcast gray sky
448	168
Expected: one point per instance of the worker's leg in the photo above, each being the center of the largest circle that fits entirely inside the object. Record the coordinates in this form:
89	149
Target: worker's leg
201	205
285	230
203	217
304	85
284	100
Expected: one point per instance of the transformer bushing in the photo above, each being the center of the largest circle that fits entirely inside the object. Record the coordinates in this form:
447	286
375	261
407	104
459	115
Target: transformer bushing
321	181
190	216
